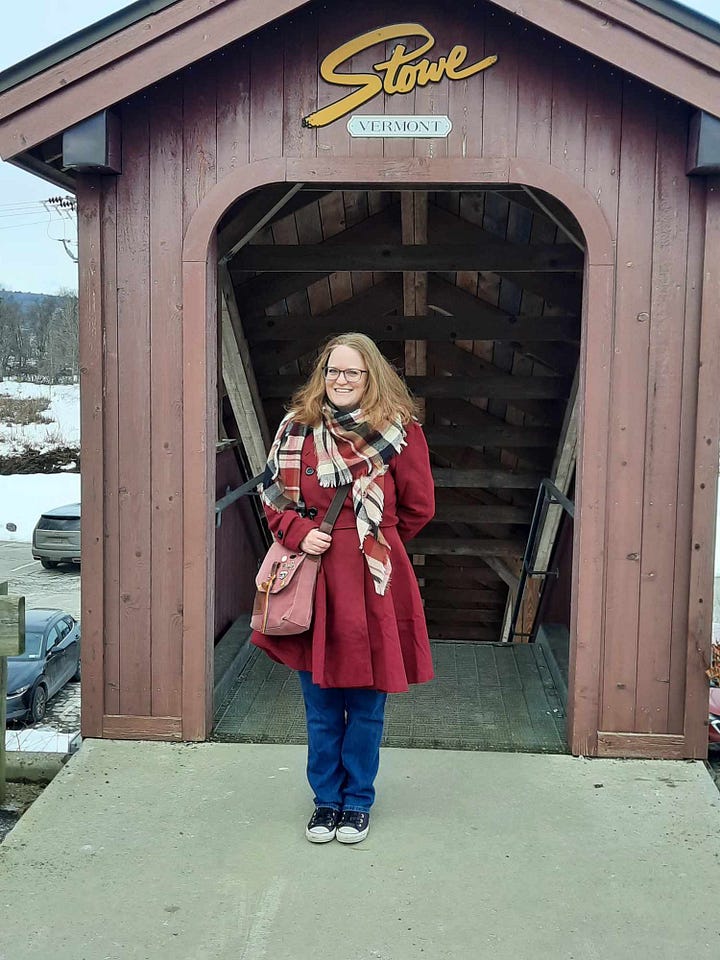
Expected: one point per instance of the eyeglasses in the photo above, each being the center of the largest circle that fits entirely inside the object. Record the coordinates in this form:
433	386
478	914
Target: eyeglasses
351	374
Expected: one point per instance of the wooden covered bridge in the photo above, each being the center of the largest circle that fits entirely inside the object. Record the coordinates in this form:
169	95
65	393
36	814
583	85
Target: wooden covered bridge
520	203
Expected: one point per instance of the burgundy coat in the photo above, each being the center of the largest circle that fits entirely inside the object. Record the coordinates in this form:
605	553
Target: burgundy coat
359	638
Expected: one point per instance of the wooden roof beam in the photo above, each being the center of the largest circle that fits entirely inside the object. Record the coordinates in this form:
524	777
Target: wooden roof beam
471	322
499	387
487	255
259	292
478	424
378	299
495	434
475	547
565	292
489	477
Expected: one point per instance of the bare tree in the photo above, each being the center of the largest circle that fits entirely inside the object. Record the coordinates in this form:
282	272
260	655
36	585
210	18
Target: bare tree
13	347
62	344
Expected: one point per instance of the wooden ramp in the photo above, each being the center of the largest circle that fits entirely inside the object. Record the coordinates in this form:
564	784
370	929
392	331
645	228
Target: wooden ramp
485	696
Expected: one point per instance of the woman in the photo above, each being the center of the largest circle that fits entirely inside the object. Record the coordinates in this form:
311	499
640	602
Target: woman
352	422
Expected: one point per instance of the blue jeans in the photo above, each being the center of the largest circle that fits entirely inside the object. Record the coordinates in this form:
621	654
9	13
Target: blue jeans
345	727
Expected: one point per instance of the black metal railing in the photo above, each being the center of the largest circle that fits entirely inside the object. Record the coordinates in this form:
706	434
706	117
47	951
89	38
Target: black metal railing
547	495
247	489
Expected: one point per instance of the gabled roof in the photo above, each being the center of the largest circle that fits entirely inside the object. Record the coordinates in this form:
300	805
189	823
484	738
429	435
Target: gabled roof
660	41
77	42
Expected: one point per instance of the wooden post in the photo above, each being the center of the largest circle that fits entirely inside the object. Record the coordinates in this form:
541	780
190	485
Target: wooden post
12	643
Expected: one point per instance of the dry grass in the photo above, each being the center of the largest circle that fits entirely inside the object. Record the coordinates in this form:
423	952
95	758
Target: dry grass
21	411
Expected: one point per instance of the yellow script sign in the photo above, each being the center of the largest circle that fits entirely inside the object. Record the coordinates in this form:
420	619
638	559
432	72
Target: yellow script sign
402	72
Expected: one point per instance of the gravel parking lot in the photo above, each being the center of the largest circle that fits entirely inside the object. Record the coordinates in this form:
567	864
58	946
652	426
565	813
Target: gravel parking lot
45	588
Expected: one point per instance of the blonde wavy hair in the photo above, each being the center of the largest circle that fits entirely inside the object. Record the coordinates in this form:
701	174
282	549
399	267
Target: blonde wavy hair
386	396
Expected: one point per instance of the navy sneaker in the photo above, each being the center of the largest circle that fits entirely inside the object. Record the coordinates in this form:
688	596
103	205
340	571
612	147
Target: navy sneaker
353	826
322	825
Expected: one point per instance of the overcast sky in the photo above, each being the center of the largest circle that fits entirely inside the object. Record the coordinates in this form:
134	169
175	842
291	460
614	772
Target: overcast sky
31	254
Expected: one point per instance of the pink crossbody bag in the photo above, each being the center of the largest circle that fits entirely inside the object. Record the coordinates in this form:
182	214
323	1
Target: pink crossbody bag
286	583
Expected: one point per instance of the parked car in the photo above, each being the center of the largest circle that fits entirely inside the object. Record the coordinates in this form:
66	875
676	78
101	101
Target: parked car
56	537
50	660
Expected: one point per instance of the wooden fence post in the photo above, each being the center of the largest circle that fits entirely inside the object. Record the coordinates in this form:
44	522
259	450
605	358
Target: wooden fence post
12	643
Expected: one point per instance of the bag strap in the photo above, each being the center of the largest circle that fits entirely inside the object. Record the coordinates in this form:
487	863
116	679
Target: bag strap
335	507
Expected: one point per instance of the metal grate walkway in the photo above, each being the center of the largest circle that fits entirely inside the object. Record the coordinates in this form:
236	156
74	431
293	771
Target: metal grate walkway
485	696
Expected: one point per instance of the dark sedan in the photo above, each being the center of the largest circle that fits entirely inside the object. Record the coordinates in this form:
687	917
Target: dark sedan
50	660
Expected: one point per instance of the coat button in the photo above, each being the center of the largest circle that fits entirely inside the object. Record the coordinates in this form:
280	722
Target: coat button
312	512
279	534
309	471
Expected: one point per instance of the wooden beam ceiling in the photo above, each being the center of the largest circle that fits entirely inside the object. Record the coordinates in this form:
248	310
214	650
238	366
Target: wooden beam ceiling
472	322
485	255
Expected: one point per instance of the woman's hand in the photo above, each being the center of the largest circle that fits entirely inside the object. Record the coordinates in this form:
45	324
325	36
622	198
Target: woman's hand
315	542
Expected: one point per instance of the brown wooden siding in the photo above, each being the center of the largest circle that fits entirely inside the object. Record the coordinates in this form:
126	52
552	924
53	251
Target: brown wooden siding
542	102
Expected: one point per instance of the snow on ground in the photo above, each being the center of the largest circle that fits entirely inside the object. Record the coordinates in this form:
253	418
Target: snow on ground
63	417
23	498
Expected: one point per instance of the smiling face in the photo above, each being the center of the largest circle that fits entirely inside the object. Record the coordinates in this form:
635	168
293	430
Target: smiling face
346	396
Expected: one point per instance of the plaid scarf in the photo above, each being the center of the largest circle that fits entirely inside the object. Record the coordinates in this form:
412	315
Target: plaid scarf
348	450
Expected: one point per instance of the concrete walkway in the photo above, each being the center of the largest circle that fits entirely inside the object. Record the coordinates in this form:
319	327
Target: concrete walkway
186	852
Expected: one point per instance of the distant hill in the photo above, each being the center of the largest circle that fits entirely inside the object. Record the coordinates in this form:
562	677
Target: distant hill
27	300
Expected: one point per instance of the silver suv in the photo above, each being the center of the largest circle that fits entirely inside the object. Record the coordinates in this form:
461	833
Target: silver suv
56	537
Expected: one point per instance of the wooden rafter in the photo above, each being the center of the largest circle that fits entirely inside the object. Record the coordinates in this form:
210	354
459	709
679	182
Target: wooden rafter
468	323
492	432
564	292
259	292
257	210
491	385
446	477
482	255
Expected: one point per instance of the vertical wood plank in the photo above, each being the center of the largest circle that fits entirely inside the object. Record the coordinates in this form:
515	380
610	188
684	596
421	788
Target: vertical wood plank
374	13
133	270
534	99
90	306
602	150
589	539
111	511
662	441
500	99
233	108
301	84
569	114
705	488
686	478
199	363
166	399
210	463
465	97
397	104
433	99
199	135
266	97
629	407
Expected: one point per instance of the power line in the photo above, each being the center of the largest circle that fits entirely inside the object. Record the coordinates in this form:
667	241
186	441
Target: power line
20	226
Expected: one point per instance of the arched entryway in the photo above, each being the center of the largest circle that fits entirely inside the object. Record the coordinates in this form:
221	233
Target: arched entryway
421	176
